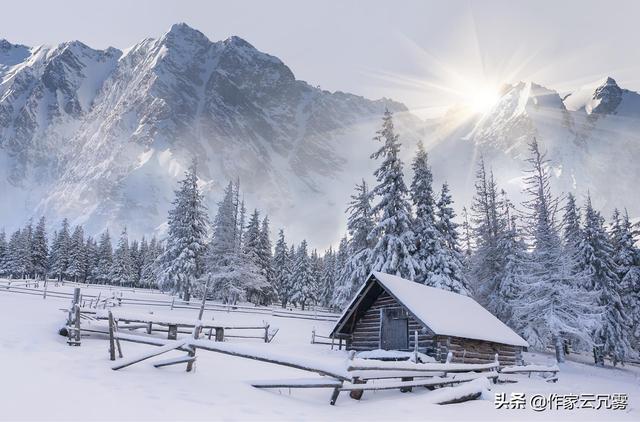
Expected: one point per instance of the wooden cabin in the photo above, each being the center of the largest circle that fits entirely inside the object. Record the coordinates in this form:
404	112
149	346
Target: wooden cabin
388	312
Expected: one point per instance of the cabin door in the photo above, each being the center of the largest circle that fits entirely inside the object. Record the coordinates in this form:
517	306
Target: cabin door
394	329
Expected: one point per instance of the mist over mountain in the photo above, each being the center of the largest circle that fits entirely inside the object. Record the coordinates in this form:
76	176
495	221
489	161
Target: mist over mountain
592	139
103	136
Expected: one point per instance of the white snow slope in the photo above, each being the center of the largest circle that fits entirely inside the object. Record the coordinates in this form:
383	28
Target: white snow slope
44	379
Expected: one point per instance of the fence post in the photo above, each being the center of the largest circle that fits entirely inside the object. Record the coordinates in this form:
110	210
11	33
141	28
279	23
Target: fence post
266	333
173	299
313	335
44	293
112	346
77	326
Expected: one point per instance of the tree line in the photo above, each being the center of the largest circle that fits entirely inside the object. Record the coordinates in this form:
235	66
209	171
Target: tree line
555	272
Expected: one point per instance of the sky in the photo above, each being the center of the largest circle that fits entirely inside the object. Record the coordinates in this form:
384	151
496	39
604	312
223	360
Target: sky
427	54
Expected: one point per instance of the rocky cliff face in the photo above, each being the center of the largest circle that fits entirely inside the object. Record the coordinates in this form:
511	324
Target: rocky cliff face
103	136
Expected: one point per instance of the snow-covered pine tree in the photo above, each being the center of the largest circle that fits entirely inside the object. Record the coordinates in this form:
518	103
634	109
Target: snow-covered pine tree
571	230
302	277
281	267
486	263
148	274
345	288
395	246
229	268
291	266
600	273
105	259
512	248
121	269
91	260
357	266
466	237
134	253
328	277
627	259
265	256
550	308
77	255
316	277
258	290
13	255
454	271
23	265
40	250
4	254
59	254
182	263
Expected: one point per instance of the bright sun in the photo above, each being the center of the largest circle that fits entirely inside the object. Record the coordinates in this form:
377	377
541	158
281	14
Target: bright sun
482	99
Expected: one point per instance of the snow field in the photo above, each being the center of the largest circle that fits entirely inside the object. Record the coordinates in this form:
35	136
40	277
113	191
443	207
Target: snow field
43	378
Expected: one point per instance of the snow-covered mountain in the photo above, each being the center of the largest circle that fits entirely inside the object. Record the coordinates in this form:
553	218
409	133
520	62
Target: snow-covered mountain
592	137
103	136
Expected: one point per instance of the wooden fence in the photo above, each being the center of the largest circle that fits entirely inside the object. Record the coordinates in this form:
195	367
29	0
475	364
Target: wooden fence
118	297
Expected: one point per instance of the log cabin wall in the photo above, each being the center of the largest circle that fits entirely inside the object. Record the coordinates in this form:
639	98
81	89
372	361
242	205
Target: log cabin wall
366	334
477	351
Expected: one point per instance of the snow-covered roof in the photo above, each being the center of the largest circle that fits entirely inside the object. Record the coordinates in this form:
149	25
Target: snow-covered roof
445	313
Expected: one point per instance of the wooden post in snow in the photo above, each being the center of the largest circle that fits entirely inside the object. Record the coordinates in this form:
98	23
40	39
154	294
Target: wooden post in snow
173	299
44	293
219	334
198	326
266	333
112	346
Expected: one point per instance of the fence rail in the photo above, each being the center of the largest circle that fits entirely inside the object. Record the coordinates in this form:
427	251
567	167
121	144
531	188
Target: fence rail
118	297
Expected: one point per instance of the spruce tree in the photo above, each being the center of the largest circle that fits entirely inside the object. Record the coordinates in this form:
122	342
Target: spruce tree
182	263
4	254
14	268
600	272
345	288
231	270
121	269
92	259
302	277
40	250
550	307
258	290
357	265
627	259
59	254
281	267
486	263
393	252
328	277
105	259
448	233
77	255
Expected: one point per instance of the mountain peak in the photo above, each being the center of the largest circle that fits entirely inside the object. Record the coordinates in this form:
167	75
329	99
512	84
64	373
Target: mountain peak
608	81
237	41
182	31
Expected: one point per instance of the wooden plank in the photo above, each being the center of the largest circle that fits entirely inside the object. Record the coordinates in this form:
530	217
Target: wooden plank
299	383
173	345
174	361
214	347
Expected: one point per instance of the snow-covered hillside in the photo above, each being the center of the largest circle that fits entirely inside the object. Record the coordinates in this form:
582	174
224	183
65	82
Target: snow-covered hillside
103	136
592	137
45	379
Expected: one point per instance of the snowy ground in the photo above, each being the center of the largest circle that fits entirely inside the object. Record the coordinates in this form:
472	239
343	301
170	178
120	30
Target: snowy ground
44	379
